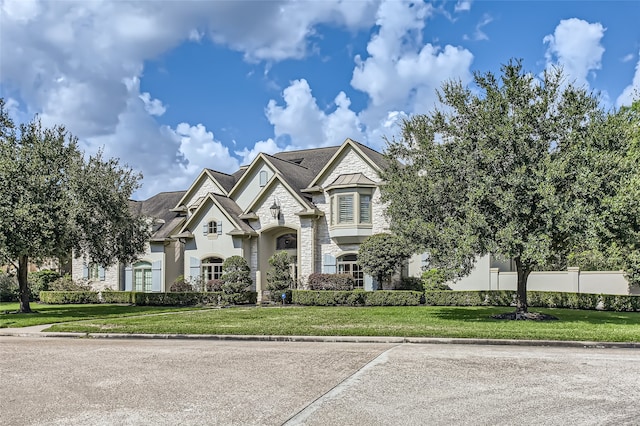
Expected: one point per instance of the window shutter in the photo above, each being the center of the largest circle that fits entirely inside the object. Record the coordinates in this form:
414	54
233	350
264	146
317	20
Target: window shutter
156	276
365	208
128	278
329	264
194	268
101	273
205	229
85	271
345	209
219	228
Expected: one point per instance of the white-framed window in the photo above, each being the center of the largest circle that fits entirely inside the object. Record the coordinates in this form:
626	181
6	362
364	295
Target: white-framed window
348	264
142	276
264	177
211	268
212	228
351	208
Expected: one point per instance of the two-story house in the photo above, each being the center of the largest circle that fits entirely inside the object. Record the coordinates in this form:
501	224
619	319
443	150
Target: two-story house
316	204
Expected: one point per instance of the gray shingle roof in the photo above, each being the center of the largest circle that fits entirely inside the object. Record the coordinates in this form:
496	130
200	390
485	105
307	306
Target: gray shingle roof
159	207
227	181
233	210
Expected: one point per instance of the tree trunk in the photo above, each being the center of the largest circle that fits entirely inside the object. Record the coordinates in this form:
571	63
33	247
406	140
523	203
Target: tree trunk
522	307
23	266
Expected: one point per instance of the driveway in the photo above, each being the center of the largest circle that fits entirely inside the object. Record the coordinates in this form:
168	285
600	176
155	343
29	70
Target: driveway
60	381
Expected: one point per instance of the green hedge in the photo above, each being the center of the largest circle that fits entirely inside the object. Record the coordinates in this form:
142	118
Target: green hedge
150	299
356	298
67	297
117	297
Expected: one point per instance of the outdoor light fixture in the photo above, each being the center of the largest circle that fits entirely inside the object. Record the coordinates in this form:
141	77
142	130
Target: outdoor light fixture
275	209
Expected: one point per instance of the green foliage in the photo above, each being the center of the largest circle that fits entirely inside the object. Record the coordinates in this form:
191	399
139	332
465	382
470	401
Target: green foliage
236	275
393	298
66	283
356	298
41	281
8	288
434	279
381	255
279	274
64	297
214	285
54	200
410	283
520	168
180	285
117	296
340	282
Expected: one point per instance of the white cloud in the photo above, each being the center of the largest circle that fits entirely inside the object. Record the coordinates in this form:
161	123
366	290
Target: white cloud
632	91
576	46
628	57
268	147
152	106
463	6
305	124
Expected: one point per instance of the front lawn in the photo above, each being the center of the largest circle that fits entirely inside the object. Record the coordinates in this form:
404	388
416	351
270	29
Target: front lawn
414	321
48	314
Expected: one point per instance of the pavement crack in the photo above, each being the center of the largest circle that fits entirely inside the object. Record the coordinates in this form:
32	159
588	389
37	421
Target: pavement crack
301	416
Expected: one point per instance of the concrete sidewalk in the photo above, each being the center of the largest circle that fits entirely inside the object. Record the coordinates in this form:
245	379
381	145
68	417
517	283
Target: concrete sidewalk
38	331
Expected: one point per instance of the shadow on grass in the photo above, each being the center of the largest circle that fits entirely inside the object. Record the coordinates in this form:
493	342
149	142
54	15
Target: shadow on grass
484	314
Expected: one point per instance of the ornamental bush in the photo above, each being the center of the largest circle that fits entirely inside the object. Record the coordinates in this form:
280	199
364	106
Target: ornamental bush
213	285
8	288
279	275
41	281
338	282
68	297
180	285
236	275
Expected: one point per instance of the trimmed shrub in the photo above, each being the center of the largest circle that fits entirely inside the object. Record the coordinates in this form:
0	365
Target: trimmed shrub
279	275
68	297
117	296
181	285
411	284
393	298
65	283
434	280
213	285
328	297
8	288
236	275
194	298
41	281
620	303
338	282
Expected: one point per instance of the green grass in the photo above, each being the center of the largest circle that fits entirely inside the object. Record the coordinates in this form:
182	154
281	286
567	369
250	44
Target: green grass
49	314
419	321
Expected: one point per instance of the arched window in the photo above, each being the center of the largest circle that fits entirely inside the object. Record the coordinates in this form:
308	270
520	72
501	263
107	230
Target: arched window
348	264
211	268
287	242
142	276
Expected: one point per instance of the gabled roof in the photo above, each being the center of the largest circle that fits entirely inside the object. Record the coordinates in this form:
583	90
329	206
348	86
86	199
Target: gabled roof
376	160
312	159
158	208
228	207
222	180
296	194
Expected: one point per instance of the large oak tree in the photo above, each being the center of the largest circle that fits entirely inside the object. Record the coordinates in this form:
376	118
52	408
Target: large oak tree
54	200
521	167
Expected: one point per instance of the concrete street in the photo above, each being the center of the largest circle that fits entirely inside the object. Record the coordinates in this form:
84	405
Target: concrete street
66	381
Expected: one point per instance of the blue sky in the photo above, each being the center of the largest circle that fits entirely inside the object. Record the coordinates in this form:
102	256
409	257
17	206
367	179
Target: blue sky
171	87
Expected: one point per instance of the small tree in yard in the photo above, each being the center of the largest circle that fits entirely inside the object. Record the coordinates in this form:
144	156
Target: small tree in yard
279	275
381	256
521	168
54	200
236	275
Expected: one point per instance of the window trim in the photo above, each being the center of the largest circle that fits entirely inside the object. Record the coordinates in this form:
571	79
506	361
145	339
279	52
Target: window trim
357	195
213	269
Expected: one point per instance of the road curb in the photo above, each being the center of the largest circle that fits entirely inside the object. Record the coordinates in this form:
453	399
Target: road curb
331	339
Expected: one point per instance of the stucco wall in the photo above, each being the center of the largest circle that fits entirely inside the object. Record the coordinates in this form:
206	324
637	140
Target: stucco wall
251	186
